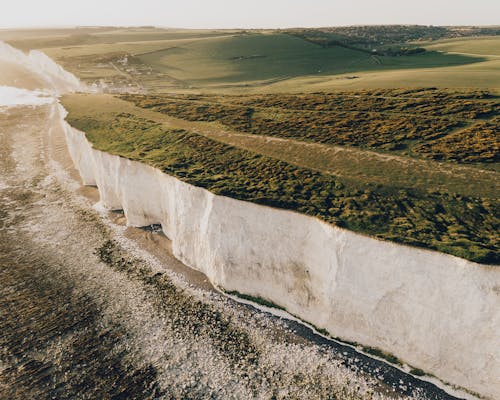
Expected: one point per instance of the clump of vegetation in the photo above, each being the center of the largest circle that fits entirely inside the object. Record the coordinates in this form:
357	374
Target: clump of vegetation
417	372
463	226
256	300
382	354
478	143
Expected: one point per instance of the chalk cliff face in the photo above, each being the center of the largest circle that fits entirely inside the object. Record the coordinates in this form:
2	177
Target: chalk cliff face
433	311
51	76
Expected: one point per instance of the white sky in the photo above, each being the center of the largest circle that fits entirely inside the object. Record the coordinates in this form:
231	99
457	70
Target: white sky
247	13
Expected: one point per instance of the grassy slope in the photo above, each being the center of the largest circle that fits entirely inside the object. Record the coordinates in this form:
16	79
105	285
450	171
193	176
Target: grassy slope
225	60
440	220
260	57
485	74
363	166
482	46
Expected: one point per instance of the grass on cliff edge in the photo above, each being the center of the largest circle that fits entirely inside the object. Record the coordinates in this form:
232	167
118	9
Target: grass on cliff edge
461	225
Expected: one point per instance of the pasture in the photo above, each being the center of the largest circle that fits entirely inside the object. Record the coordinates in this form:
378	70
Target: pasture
157	60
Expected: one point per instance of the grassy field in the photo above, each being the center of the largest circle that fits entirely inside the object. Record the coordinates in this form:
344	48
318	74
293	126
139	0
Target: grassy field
481	46
162	60
483	75
250	58
69	39
436	212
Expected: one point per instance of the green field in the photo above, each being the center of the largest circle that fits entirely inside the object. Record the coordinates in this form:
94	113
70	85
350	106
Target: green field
480	46
434	206
162	60
252	58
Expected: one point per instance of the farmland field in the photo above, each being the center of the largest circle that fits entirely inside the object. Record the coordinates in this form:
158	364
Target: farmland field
483	46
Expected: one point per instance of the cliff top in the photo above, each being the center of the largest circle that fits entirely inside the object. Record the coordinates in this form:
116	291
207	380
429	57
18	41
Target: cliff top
426	175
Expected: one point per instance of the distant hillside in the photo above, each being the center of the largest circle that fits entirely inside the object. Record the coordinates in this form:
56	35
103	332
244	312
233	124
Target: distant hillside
152	60
388	39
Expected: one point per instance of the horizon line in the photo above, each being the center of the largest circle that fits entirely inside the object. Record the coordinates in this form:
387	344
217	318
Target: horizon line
34	27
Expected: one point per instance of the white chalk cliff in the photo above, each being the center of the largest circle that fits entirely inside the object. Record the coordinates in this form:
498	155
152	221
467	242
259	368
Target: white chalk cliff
434	311
53	77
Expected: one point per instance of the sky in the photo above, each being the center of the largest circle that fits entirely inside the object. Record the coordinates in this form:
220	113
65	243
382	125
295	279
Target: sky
246	14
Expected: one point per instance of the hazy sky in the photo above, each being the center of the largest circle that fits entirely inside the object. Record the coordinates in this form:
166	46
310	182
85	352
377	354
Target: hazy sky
248	13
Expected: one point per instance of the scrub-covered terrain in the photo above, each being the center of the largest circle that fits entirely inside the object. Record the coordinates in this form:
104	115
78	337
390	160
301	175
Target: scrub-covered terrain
448	215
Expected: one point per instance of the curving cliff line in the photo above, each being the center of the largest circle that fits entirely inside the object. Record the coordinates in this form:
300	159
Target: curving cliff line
434	311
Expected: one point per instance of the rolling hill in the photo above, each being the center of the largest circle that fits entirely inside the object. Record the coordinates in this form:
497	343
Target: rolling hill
163	60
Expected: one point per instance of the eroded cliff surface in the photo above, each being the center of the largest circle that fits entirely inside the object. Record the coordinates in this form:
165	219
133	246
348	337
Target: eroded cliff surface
434	311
